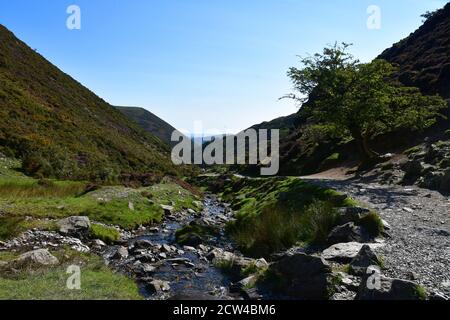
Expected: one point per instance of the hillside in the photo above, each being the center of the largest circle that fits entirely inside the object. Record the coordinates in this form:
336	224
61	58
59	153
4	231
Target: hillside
60	128
423	57
149	122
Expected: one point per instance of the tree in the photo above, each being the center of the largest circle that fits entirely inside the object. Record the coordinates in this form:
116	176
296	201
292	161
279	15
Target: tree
359	99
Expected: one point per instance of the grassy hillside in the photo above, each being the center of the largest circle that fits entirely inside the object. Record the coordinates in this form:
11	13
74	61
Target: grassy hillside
149	122
60	128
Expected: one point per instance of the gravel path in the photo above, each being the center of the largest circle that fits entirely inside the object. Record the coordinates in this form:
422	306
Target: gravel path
419	247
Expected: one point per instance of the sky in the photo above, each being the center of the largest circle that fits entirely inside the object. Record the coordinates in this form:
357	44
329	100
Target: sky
221	62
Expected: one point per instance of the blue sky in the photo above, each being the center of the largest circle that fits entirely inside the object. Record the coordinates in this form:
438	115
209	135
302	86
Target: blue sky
222	62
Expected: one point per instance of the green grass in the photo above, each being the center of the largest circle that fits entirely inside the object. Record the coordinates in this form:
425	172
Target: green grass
21	197
98	282
183	235
372	223
11	227
274	214
421	292
108	235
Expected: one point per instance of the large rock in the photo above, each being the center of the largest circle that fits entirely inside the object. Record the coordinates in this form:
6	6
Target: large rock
390	289
40	257
303	276
352	214
75	226
158	286
347	233
345	252
364	259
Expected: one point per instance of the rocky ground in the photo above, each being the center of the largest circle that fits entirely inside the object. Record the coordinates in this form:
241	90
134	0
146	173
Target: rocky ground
418	245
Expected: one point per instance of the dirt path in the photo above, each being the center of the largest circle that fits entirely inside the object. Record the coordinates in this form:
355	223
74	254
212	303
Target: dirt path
419	247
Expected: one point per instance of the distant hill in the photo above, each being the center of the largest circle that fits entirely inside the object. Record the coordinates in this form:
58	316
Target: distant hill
149	122
60	128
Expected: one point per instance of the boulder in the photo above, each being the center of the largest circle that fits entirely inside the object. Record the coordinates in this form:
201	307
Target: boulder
40	257
75	226
158	286
143	244
347	233
391	289
303	276
345	252
118	253
168	210
352	214
364	259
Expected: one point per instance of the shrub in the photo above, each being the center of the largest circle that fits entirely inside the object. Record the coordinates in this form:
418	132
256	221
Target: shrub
372	223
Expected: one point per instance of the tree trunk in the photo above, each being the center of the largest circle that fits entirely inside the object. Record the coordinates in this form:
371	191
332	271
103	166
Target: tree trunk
362	142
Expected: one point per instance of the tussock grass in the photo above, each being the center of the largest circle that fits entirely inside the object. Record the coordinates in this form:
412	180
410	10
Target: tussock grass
108	235
24	188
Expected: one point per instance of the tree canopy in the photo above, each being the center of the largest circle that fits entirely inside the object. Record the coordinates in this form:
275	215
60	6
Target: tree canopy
360	99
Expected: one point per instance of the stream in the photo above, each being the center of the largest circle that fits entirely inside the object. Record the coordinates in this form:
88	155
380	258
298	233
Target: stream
185	272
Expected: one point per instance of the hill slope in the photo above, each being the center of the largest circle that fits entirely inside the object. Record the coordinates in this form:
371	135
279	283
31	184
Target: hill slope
149	122
60	128
424	56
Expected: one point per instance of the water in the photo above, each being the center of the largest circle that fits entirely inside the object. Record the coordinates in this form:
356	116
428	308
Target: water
200	279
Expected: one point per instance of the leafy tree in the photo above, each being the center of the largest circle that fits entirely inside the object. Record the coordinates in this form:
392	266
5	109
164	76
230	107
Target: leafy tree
359	99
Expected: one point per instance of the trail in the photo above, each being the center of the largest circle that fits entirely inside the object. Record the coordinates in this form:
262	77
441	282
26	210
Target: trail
419	245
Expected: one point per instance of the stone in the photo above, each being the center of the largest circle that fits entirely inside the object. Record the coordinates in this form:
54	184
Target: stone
168	210
166	248
158	286
147	268
345	252
121	253
352	214
131	206
40	257
390	289
98	244
364	259
347	233
304	276
74	226
143	244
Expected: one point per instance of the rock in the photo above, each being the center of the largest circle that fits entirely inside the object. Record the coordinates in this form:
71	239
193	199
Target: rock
413	169
345	252
98	244
75	226
190	211
438	296
364	259
158	286
390	289
162	255
347	233
304	276
143	244
40	257
409	210
147	268
166	248
153	230
192	240
352	214
386	225
131	206
119	253
168	210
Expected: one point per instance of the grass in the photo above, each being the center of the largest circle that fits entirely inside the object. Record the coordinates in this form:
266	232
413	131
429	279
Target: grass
421	292
108	235
98	282
274	214
187	232
372	223
412	150
23	197
11	227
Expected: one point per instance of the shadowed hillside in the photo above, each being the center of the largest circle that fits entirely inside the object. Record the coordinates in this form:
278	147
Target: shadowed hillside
60	128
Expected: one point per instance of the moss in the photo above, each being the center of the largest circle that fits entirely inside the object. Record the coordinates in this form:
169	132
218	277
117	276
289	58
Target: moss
412	150
108	235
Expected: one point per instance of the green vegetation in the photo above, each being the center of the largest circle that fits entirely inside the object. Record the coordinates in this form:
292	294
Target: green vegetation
421	292
372	223
98	282
108	235
61	129
356	98
412	150
273	214
195	231
26	202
